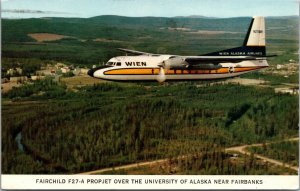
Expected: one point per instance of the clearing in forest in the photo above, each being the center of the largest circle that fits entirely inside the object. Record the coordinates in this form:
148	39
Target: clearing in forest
41	37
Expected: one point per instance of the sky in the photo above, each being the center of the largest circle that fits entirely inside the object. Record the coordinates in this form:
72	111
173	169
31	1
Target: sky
138	8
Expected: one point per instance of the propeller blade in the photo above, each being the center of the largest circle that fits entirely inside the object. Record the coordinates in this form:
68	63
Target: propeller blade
161	77
167	65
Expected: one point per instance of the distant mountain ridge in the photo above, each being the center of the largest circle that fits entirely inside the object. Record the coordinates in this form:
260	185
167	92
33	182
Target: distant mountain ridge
197	16
112	26
283	17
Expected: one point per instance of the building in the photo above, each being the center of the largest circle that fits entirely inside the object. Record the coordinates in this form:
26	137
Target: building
84	71
19	79
279	66
4	80
292	91
60	65
65	70
14	71
34	78
19	70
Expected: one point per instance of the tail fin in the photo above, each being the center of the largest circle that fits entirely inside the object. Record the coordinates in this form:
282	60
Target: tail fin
254	43
256	33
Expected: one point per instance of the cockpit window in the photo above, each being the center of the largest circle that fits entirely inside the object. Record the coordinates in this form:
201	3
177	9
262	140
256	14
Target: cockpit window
113	63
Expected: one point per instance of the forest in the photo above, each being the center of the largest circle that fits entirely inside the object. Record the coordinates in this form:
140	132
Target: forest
287	152
110	124
215	162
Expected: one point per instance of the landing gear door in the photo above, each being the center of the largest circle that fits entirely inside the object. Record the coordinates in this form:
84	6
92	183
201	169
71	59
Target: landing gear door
231	69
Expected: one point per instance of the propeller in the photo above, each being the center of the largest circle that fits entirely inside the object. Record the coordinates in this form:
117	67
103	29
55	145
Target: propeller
161	77
163	69
173	62
167	64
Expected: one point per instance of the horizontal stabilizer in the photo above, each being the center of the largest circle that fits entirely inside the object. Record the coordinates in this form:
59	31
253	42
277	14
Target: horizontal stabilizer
255	51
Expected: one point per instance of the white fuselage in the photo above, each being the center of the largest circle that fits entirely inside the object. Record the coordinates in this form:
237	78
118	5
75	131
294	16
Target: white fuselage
147	67
216	65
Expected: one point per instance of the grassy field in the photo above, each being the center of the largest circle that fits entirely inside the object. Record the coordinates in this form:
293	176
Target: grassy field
79	81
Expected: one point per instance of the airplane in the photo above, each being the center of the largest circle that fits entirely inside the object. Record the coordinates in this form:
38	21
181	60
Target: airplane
143	66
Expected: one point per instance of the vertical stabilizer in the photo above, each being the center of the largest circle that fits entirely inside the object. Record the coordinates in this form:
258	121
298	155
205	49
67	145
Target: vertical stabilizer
256	32
254	43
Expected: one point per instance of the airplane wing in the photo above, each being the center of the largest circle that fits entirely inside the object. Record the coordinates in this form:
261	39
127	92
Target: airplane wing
135	52
203	62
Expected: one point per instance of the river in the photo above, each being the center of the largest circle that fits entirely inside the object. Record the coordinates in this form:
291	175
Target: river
18	140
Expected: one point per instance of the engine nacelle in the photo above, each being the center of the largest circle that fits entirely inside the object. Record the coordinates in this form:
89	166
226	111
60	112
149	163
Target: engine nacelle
176	63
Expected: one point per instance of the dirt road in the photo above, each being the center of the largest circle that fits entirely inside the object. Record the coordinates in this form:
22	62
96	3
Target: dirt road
240	149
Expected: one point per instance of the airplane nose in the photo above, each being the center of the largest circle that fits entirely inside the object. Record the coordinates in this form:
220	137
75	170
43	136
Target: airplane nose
91	72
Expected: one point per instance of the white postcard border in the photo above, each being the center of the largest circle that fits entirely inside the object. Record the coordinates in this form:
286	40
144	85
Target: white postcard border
46	182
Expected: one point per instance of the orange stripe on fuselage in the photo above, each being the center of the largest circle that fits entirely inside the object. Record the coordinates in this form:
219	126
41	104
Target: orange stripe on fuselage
155	71
132	71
